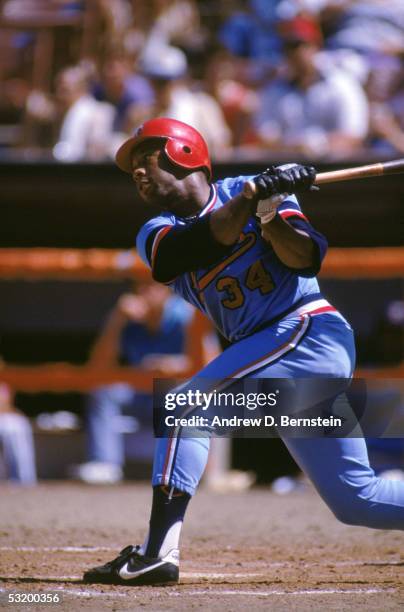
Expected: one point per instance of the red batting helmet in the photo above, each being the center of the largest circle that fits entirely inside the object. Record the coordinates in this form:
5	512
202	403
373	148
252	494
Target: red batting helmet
184	144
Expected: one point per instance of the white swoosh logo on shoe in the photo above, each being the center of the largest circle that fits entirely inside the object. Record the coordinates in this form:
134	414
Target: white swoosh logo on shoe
125	574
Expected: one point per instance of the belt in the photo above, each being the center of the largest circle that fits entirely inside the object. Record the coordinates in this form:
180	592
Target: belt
312	308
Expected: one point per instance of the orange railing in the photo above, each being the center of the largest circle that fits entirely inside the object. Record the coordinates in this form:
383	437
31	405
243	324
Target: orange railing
36	263
90	264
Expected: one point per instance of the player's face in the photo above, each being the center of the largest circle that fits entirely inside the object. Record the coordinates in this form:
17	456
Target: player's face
158	181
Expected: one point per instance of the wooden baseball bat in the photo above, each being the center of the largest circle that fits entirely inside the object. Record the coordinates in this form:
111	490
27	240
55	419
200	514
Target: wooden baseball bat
347	174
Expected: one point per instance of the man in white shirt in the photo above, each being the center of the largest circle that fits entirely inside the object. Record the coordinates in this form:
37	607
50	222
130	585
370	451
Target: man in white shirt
314	109
87	124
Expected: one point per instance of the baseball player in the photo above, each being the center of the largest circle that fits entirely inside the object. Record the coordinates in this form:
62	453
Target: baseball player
249	262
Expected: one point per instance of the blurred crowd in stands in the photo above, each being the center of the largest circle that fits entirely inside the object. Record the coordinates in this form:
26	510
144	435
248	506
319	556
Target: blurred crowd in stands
312	79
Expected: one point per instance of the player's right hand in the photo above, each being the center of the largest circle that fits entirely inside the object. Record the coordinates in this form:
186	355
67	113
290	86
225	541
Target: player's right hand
284	179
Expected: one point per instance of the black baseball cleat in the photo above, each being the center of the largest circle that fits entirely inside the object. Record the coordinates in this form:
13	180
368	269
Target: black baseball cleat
134	569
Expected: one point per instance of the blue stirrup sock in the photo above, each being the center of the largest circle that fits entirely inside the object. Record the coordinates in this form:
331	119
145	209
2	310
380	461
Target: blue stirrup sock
167	515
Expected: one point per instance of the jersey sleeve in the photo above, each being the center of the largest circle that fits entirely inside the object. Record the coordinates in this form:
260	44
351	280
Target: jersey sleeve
231	186
291	212
290	208
149	237
171	250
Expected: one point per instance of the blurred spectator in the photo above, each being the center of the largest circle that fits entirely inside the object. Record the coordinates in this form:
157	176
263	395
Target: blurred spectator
83	125
177	97
174	22
117	17
17	453
314	110
86	123
223	77
122	88
14	92
147	329
252	34
161	23
386	343
368	26
385	89
40	9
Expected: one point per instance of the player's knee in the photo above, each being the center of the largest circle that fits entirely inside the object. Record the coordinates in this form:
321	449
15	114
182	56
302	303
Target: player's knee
352	508
346	515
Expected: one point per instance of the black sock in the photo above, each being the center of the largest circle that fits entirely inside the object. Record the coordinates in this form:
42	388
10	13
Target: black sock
168	508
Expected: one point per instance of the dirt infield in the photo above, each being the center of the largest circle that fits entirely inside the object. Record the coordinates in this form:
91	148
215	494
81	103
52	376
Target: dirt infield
252	550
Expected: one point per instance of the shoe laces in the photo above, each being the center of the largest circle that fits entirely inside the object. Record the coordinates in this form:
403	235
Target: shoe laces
123	555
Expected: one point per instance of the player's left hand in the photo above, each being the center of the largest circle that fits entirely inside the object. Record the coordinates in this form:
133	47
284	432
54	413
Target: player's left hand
296	177
284	179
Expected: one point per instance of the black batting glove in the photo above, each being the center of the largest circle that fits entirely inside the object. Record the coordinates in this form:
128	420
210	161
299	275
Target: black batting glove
277	180
297	178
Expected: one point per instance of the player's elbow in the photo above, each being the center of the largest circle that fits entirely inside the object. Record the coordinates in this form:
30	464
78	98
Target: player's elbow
307	266
314	258
310	271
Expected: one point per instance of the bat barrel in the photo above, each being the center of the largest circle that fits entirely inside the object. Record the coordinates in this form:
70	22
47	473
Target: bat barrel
348	174
394	167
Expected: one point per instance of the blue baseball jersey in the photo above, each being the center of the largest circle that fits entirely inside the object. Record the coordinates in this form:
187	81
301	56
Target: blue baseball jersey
249	287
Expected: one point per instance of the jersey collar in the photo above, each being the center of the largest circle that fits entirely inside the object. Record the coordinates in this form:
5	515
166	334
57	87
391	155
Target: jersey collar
208	206
211	202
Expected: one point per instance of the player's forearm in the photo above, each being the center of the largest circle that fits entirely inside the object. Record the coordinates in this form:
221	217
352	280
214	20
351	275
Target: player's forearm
293	249
227	222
